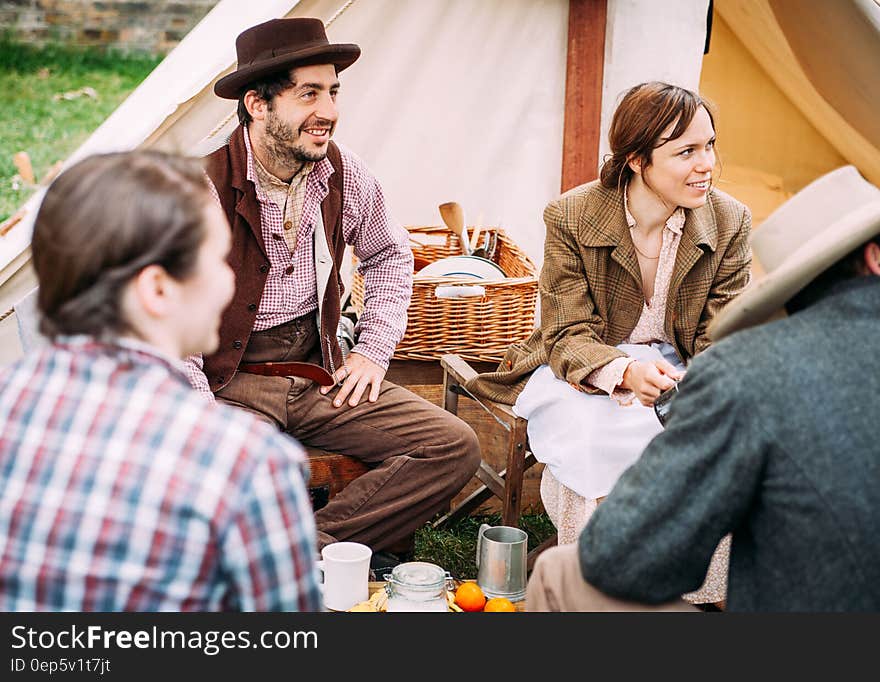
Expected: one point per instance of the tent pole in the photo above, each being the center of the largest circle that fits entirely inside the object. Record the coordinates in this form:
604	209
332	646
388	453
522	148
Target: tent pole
583	91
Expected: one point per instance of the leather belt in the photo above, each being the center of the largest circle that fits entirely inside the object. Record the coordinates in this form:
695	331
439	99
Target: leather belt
290	369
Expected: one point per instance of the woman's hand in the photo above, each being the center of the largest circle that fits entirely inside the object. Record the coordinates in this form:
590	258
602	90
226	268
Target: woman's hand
649	379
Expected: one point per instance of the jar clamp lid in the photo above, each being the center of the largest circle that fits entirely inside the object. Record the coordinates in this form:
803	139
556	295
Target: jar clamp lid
418	577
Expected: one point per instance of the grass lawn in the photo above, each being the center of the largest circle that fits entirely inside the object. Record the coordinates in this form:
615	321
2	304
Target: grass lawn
47	127
455	549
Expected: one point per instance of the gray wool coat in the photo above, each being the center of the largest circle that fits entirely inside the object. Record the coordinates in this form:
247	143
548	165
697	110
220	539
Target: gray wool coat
775	437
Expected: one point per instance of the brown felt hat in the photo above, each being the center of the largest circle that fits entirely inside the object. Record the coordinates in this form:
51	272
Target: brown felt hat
279	45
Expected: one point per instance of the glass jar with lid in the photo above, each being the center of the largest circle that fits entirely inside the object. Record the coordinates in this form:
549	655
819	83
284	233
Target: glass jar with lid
417	586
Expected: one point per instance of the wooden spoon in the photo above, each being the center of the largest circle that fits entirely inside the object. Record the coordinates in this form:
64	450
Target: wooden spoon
453	216
475	235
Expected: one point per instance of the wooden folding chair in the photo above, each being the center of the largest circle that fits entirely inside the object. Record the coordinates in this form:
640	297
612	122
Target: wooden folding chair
507	484
330	473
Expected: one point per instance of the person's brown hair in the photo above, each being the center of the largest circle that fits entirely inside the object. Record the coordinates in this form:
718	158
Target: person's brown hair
267	89
846	268
638	123
101	222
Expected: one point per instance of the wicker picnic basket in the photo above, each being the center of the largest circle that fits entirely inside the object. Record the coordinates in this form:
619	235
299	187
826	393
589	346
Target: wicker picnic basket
478	328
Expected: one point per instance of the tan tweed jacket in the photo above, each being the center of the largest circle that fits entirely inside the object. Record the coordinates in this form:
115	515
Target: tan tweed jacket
591	287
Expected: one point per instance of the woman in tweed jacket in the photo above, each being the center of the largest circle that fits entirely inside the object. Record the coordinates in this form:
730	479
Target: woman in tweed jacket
636	266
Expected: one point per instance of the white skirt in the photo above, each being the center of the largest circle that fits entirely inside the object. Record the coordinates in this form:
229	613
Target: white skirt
588	440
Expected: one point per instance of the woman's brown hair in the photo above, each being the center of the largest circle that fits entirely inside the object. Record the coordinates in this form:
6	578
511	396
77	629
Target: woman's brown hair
101	222
640	119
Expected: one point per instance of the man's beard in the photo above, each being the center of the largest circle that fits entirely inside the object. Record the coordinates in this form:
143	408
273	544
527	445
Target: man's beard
283	146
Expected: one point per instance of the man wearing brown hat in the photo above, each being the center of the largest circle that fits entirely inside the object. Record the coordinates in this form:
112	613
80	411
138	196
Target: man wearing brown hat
294	199
773	437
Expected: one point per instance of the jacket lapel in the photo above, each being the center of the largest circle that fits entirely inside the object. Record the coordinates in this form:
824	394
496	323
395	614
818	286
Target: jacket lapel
605	225
699	230
321	175
625	255
247	205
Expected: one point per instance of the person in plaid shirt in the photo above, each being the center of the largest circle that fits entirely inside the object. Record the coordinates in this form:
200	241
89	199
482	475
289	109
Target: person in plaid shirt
294	200
120	487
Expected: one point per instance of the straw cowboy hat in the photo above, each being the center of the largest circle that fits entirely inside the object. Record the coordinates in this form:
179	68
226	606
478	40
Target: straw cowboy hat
806	235
279	45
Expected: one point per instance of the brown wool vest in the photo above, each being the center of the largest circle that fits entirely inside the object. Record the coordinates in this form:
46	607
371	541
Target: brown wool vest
227	168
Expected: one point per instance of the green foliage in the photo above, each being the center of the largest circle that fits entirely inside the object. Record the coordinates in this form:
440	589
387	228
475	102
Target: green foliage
47	127
454	548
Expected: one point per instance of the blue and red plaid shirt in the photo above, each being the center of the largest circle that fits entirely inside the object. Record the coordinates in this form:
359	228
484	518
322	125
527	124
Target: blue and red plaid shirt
122	489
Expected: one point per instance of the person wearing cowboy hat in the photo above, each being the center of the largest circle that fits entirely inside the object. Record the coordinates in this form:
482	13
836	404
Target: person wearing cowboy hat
772	437
294	200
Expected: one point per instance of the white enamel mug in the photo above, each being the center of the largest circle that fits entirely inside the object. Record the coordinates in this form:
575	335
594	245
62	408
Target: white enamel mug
346	569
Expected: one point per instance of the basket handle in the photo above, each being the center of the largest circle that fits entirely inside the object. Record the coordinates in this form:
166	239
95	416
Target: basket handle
459	291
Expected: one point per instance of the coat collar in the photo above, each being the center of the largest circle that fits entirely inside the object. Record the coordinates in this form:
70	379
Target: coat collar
246	204
603	222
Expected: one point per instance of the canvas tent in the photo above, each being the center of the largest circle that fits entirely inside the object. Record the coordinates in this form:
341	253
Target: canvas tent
465	100
792	80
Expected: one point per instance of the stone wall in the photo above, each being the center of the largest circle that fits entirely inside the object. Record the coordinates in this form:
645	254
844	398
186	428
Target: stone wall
153	26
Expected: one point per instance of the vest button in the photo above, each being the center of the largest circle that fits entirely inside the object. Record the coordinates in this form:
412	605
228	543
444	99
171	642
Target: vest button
236	344
220	380
264	268
252	307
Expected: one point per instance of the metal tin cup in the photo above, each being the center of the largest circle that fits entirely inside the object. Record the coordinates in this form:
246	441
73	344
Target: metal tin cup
501	561
663	403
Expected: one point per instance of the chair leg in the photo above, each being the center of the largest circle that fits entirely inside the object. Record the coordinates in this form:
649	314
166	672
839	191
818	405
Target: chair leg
506	485
513	479
450	397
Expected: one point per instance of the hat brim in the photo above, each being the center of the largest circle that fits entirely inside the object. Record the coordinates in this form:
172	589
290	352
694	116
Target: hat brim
341	55
766	296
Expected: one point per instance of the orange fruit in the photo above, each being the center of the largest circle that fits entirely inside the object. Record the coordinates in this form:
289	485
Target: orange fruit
470	597
499	604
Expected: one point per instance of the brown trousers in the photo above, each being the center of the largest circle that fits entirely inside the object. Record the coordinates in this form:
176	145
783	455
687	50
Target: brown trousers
557	584
421	456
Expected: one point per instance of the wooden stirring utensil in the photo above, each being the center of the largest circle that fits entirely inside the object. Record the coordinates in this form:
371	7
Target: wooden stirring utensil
453	216
475	235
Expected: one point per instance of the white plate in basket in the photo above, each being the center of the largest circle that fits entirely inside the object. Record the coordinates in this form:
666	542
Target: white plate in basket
462	266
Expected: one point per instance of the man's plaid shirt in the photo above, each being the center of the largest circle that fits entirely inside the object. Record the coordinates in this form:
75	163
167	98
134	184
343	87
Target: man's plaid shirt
380	244
122	489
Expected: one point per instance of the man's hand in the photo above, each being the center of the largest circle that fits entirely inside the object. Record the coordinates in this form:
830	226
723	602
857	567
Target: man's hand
649	379
358	373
